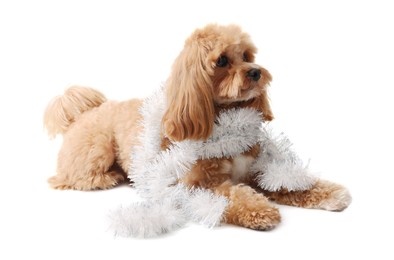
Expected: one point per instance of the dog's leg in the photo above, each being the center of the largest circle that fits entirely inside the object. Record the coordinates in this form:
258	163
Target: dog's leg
323	195
86	161
248	208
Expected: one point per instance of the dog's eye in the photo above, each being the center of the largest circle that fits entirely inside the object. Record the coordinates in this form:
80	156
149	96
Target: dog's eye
222	61
245	57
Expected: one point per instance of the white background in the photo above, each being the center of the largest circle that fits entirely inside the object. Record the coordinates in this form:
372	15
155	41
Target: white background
332	64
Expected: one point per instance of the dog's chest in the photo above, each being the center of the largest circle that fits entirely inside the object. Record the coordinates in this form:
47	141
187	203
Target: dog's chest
241	167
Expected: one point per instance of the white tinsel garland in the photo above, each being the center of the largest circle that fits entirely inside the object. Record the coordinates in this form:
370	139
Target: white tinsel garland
154	172
278	166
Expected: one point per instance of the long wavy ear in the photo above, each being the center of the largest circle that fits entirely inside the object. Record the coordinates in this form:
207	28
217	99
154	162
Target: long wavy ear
190	110
262	103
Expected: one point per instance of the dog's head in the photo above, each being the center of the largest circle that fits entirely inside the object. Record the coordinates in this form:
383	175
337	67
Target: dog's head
214	71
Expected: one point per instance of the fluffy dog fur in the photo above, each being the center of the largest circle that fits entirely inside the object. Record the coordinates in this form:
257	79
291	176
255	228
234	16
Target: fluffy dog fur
214	72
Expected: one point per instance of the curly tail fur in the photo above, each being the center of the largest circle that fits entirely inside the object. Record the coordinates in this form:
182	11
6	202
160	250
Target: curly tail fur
63	110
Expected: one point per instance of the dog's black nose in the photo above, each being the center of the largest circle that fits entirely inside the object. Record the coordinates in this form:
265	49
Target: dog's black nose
254	74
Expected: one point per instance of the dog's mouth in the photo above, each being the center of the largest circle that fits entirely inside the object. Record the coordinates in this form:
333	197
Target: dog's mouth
237	103
244	103
245	98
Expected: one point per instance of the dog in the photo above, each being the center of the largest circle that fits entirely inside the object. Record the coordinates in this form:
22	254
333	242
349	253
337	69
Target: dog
215	72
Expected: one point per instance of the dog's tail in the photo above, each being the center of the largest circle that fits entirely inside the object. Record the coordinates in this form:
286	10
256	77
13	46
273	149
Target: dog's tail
63	110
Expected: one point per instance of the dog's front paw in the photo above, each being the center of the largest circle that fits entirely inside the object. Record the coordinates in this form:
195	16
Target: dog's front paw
337	200
264	219
250	209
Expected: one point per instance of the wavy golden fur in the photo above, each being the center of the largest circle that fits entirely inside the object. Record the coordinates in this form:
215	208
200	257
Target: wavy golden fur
197	86
215	71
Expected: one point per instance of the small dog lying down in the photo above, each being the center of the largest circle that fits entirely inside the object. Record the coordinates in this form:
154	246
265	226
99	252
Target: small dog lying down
214	73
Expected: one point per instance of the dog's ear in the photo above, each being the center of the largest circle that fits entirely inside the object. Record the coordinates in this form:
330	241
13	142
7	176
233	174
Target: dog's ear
190	109
262	103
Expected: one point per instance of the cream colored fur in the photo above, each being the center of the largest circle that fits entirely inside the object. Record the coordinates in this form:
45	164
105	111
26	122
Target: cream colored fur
97	138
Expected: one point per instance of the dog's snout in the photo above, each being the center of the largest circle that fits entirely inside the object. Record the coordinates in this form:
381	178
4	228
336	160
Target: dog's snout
254	74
